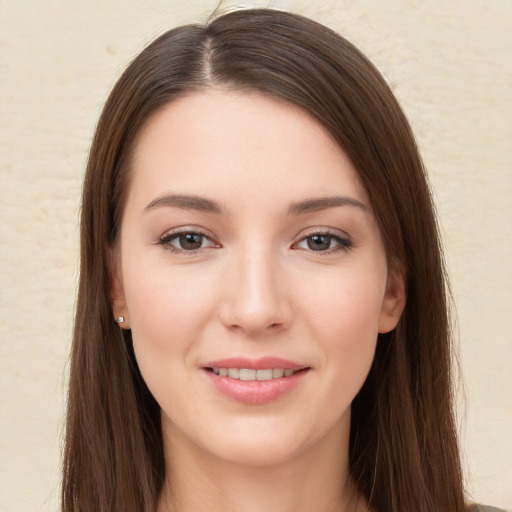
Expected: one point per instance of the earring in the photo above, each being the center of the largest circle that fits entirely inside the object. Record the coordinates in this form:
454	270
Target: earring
120	320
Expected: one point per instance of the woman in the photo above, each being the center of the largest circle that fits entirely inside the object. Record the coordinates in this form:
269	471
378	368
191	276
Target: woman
262	312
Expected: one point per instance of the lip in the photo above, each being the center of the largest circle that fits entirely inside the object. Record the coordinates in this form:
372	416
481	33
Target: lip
261	363
255	392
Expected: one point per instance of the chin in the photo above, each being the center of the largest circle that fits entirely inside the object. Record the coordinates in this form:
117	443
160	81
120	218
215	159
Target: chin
258	452
264	441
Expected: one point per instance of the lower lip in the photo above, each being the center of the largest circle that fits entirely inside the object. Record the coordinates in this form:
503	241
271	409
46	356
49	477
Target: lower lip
256	392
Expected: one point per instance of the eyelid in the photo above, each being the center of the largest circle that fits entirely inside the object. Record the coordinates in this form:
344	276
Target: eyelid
344	240
165	239
322	230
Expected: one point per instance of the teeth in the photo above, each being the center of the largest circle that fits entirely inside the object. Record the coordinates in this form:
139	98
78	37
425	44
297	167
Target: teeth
234	373
251	375
246	374
264	374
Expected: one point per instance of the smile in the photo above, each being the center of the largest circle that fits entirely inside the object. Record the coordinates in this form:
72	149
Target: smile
249	374
255	381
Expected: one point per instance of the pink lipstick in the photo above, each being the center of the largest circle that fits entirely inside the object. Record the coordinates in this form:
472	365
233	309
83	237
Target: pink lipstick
255	381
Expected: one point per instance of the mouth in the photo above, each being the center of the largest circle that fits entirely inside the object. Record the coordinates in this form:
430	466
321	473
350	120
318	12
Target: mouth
255	381
255	374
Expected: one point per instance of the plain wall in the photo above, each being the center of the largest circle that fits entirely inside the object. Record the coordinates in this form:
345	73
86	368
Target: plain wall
450	65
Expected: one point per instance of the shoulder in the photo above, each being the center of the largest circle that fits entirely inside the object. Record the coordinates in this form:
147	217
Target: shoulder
485	508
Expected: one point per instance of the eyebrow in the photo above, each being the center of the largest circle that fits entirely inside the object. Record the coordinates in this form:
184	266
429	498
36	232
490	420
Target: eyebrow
192	202
323	203
185	202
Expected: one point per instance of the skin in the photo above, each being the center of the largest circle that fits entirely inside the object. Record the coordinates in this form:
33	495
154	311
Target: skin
255	288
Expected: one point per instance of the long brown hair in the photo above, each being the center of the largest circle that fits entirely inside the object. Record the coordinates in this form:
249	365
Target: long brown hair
403	447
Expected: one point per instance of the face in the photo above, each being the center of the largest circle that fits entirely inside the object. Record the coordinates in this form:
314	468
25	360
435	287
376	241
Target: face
252	274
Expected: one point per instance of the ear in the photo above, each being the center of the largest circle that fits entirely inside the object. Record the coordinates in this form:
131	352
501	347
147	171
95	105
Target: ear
394	300
116	288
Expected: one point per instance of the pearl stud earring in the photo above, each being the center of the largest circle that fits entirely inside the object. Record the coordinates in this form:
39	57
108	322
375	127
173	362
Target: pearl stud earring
120	320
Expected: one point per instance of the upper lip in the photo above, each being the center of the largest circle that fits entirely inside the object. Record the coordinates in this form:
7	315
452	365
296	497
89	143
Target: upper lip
261	363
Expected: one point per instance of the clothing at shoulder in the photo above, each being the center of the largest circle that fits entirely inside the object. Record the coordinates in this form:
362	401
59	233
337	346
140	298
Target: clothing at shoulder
485	508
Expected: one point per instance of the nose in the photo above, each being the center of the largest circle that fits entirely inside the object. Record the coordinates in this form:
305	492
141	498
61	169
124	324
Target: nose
256	298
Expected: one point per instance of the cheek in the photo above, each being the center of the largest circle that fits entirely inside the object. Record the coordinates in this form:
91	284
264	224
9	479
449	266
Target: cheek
347	303
168	299
345	319
168	311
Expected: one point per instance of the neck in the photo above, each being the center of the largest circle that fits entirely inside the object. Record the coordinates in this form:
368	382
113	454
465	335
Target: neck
317	479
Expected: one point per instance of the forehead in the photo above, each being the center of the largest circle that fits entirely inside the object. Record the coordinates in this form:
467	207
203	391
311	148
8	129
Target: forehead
231	144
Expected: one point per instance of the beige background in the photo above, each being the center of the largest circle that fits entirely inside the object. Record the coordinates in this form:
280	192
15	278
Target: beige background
450	65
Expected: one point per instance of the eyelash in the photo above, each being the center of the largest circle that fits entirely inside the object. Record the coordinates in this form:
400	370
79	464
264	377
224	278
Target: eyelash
166	240
344	244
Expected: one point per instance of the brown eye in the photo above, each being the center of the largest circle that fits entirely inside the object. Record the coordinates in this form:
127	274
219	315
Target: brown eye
190	241
319	242
186	241
324	243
